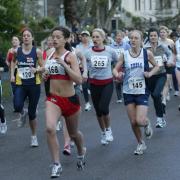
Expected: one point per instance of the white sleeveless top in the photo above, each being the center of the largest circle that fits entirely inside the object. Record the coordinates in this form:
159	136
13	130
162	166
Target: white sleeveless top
178	53
134	81
53	67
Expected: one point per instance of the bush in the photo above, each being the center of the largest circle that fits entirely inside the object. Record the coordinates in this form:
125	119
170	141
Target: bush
40	36
47	23
5	44
128	14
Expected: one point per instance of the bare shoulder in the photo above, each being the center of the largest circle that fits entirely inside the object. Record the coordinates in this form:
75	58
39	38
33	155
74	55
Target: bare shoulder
170	41
149	53
70	57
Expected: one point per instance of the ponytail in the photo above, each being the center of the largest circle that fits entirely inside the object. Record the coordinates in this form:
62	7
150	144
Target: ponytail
68	46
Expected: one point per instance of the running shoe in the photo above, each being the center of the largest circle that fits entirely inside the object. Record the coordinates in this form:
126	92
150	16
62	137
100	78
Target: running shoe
72	144
87	106
103	138
140	148
67	150
164	122
81	161
34	141
3	128
56	170
176	93
148	131
119	101
109	136
160	123
89	92
23	117
59	126
168	98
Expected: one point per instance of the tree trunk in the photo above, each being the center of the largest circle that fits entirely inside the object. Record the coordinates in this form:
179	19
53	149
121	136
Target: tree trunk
70	12
98	16
111	12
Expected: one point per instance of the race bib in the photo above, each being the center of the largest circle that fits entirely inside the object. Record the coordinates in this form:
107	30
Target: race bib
99	61
178	58
54	68
119	51
136	83
150	65
25	73
159	60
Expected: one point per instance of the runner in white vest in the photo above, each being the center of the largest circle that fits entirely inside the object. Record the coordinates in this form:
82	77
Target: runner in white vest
136	69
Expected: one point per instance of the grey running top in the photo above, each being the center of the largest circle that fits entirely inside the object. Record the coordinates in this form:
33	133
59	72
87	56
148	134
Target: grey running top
99	63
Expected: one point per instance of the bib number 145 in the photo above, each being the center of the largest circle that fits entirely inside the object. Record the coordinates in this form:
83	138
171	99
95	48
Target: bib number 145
136	83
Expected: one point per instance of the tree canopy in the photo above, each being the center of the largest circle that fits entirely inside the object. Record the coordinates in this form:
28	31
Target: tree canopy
99	12
10	17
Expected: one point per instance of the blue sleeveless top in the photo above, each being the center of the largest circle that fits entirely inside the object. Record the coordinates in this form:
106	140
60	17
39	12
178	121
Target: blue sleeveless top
24	75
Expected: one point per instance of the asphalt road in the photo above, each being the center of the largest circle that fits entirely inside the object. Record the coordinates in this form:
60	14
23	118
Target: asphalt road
161	161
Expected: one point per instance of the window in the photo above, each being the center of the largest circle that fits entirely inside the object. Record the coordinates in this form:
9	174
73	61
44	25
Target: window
135	5
159	5
150	4
167	4
113	24
139	3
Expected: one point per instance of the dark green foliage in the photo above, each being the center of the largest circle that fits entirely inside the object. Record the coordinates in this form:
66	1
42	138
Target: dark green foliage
10	17
47	23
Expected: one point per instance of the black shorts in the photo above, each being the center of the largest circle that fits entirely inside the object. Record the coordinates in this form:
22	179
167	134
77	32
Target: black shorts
169	70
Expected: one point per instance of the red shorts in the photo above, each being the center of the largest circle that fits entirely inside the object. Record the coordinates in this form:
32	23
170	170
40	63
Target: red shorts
68	105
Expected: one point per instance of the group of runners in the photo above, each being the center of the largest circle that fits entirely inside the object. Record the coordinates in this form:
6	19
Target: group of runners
138	67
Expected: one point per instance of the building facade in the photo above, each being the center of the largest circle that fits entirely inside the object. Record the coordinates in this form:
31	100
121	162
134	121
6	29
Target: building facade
152	9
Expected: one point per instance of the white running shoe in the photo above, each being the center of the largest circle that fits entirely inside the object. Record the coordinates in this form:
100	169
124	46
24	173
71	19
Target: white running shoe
168	98
56	170
119	101
89	92
109	136
103	138
23	117
148	131
87	106
164	122
34	141
140	148
59	126
176	93
161	122
3	128
81	161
